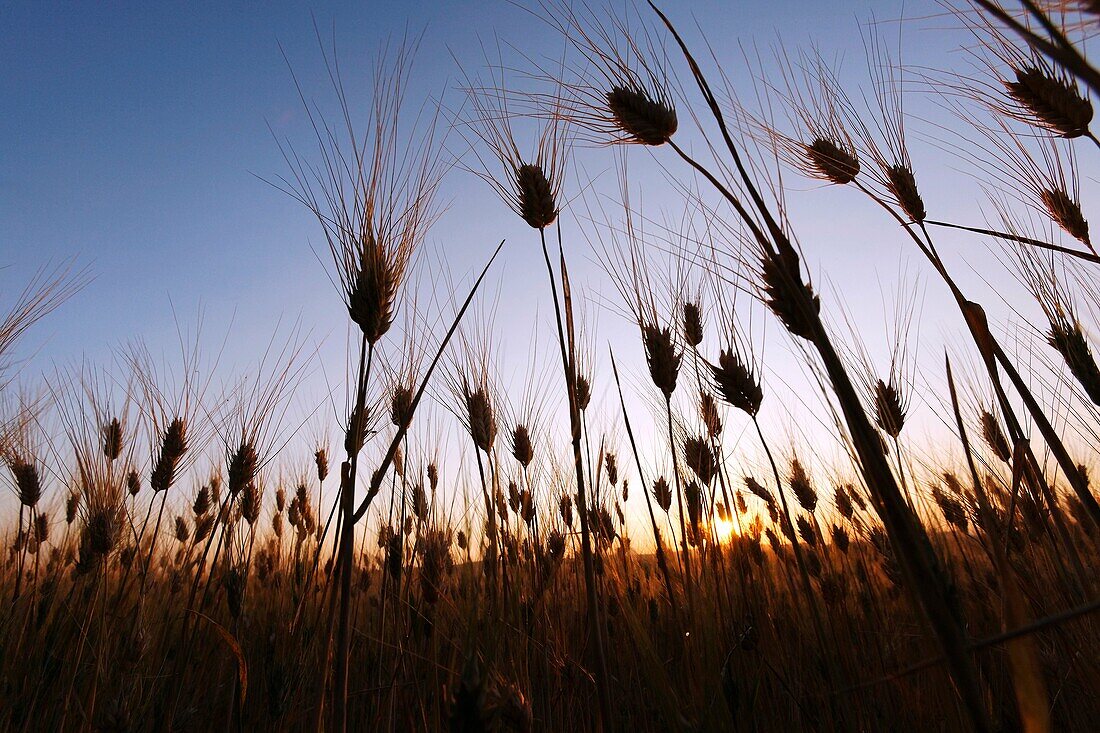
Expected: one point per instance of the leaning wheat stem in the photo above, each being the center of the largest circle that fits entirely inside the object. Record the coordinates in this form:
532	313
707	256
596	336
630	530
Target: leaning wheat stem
907	536
568	364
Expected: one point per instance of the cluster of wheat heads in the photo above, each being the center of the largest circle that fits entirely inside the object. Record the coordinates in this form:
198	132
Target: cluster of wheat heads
186	552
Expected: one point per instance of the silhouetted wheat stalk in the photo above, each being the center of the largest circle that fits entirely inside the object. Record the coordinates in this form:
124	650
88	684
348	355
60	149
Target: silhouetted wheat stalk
170	561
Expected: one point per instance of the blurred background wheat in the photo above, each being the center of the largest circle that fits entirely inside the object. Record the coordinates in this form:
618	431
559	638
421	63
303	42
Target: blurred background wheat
683	467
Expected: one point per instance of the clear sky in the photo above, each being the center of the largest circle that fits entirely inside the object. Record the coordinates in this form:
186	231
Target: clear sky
135	137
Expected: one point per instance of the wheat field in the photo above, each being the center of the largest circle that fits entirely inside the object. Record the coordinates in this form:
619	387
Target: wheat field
616	539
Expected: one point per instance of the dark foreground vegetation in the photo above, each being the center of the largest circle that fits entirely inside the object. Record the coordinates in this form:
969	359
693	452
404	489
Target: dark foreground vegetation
180	556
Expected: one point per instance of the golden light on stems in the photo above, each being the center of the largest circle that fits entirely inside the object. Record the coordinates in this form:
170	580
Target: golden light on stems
724	529
867	524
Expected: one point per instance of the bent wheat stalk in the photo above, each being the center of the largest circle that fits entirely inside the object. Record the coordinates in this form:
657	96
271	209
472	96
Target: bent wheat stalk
798	308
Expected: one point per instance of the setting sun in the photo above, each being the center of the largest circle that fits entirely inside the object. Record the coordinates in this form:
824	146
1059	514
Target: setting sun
724	529
500	366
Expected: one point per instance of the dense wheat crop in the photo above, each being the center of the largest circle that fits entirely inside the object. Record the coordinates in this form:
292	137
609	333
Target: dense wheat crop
614	540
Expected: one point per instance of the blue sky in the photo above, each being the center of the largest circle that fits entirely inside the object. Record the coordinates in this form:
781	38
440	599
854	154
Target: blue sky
135	137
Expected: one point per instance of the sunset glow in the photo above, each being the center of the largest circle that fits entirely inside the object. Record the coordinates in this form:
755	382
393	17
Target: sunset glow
724	529
502	366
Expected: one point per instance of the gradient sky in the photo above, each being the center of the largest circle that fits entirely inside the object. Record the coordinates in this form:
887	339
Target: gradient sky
135	137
